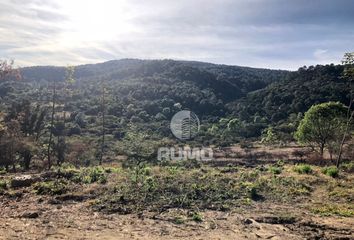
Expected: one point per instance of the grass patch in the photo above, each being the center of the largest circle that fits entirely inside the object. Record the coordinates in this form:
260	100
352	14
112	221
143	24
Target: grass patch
86	175
275	170
331	171
178	220
140	189
329	210
348	167
197	217
303	169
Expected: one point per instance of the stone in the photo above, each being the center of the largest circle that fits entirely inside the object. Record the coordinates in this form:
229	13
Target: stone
23	181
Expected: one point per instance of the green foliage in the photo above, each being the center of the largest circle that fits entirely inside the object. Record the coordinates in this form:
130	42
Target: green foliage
93	174
195	189
197	217
332	209
331	171
294	94
178	220
3	185
85	175
349	167
138	147
275	170
303	169
322	124
56	187
269	136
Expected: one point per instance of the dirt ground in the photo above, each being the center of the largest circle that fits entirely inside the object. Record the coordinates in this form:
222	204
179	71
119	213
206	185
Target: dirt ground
34	217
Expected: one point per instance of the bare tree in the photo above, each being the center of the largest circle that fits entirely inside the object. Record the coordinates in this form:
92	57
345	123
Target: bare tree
51	126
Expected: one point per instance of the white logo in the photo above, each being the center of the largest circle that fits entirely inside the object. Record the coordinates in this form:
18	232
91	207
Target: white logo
185	153
185	125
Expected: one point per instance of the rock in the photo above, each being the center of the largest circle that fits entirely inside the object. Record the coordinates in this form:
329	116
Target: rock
30	214
247	221
276	219
23	181
71	197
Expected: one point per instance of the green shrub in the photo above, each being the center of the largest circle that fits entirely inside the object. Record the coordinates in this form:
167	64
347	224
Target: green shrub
303	169
178	220
3	185
275	170
95	174
349	167
50	188
197	217
2	171
331	171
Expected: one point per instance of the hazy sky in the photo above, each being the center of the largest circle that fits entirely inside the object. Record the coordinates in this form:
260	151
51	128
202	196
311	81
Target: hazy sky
283	34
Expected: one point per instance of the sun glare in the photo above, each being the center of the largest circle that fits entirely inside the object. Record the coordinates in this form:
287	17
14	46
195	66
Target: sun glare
96	20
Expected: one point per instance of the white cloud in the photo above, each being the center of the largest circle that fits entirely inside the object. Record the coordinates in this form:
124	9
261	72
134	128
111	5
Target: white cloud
256	33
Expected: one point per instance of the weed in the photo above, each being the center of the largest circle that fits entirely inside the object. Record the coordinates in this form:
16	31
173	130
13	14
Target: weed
328	210
3	184
178	220
197	217
331	171
303	169
2	171
274	170
348	167
50	188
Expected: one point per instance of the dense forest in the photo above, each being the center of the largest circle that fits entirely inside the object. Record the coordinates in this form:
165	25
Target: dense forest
100	104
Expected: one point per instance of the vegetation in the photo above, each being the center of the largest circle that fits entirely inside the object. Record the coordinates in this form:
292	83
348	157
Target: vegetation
303	169
322	126
331	171
91	134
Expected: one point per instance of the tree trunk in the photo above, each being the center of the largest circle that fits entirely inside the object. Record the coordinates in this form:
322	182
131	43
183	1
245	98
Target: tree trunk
51	127
322	150
27	157
103	126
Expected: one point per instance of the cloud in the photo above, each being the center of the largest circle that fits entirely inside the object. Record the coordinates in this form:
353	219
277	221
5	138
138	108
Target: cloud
259	33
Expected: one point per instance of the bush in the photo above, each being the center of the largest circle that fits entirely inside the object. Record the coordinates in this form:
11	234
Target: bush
331	171
50	188
303	169
92	175
348	167
275	170
197	217
3	185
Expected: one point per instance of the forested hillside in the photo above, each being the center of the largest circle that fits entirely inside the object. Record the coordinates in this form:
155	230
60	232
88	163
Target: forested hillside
147	93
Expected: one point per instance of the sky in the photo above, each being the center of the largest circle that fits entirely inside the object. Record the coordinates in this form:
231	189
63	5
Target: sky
278	34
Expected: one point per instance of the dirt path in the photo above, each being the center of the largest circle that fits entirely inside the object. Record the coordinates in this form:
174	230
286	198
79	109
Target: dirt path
75	220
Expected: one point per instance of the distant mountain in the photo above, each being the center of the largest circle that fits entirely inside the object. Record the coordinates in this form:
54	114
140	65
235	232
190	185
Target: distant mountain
230	82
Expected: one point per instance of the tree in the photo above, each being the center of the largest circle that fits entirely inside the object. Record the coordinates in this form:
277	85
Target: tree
31	121
137	147
103	125
50	142
9	143
7	70
269	136
348	74
322	124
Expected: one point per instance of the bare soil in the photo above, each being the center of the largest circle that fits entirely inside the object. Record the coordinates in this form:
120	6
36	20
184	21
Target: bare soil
34	217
